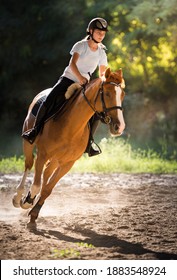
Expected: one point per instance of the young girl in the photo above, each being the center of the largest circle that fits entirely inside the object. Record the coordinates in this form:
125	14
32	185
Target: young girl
86	56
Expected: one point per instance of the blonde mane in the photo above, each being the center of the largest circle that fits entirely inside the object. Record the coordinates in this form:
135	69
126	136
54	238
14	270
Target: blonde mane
72	89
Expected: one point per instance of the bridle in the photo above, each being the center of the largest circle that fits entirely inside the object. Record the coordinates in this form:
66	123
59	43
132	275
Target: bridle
103	116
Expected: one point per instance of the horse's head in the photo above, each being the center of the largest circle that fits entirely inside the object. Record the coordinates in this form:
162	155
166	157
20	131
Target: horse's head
112	95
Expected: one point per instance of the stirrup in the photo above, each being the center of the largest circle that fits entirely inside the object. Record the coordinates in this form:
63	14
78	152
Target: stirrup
93	152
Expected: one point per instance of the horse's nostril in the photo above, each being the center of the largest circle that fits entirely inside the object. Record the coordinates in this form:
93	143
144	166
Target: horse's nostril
116	127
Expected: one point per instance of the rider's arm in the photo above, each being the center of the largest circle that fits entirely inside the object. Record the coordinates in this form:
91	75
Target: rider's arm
74	68
102	69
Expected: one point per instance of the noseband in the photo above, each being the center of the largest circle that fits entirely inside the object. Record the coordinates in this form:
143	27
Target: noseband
103	116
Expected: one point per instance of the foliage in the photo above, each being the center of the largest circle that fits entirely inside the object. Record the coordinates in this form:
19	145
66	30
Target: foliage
70	253
65	253
11	165
85	245
36	38
117	156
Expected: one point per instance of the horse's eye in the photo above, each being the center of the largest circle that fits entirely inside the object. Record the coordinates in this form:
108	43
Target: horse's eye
107	94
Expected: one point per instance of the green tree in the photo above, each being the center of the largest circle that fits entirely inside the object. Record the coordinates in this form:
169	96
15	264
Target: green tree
146	48
36	37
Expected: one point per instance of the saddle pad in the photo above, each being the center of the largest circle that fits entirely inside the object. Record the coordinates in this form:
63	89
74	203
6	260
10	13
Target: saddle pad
37	105
55	109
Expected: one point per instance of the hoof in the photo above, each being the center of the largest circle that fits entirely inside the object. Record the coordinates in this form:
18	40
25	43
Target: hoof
15	201
25	205
32	226
27	202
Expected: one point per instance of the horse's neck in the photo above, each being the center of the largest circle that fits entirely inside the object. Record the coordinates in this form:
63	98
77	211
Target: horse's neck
81	105
80	111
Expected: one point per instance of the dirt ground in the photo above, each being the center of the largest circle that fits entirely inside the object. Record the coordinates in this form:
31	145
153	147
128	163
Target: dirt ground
94	216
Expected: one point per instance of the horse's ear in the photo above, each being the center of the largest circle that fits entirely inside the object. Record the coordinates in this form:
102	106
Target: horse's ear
120	73
107	73
123	83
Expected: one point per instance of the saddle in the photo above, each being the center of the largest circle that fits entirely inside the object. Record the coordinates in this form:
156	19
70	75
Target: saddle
55	108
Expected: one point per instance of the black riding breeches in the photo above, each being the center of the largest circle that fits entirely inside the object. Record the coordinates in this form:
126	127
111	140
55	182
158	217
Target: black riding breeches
57	96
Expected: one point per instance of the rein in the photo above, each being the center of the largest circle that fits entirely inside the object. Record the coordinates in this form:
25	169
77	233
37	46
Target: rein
103	116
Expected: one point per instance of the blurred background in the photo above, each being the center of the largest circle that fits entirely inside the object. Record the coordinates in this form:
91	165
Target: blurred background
36	38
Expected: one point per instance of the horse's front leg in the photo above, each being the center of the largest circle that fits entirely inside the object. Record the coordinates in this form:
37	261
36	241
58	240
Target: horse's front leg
28	200
46	191
49	170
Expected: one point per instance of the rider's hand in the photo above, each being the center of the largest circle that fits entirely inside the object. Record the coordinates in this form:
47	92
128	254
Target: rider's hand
83	81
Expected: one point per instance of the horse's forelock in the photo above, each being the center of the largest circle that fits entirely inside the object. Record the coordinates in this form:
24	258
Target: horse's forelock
114	77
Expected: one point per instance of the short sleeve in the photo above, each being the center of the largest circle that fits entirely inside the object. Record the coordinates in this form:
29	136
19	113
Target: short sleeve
78	47
103	58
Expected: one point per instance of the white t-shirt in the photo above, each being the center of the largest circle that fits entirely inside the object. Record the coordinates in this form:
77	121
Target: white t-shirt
88	60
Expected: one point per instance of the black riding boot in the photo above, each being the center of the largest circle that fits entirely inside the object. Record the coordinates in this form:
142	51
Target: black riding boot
31	134
92	148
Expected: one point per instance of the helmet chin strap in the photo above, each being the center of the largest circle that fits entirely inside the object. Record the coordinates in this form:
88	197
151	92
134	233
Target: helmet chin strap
94	40
91	35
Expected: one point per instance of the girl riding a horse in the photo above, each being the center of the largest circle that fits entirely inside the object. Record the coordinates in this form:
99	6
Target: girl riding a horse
87	55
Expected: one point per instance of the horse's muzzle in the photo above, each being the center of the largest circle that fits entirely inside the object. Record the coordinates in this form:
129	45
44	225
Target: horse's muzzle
115	129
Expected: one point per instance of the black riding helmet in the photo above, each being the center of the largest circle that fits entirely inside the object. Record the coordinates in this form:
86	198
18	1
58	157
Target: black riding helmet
97	23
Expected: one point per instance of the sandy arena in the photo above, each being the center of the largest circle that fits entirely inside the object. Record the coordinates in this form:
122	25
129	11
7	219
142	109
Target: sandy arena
94	216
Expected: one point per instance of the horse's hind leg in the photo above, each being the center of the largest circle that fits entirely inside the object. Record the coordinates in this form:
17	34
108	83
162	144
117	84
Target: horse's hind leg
20	190
46	190
28	200
29	159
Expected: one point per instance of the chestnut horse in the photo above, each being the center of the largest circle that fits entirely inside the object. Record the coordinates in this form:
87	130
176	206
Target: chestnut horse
64	138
